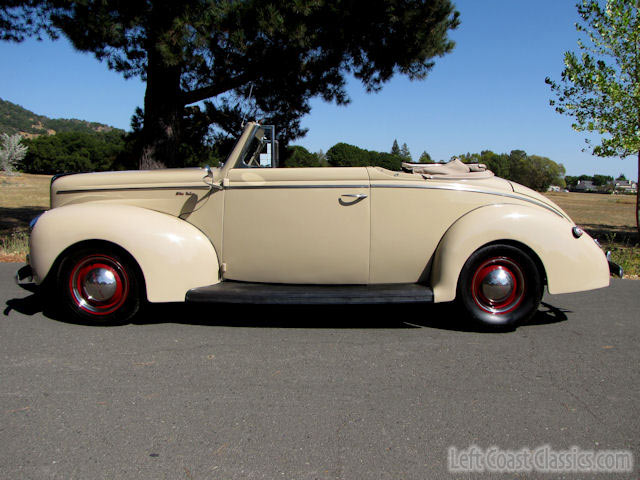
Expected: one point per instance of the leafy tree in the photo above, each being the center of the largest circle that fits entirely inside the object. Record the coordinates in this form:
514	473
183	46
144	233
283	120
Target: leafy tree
76	152
544	172
497	163
345	155
520	168
385	160
405	153
533	171
247	56
322	158
12	152
621	177
425	158
601	180
395	148
599	88
298	156
570	181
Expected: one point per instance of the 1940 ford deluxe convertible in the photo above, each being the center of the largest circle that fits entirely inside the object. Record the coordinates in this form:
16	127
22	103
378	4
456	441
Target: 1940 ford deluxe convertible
247	233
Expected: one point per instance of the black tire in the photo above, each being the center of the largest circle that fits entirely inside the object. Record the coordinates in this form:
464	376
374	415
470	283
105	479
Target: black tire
99	285
500	286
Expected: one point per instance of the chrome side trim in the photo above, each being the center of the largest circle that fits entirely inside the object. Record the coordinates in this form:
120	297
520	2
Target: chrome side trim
473	190
399	185
133	189
273	187
255	187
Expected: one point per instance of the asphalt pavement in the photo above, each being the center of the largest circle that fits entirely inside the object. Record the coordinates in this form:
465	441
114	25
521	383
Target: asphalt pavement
305	392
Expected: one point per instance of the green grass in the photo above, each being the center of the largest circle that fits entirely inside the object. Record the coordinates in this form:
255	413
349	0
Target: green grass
14	246
625	255
22	197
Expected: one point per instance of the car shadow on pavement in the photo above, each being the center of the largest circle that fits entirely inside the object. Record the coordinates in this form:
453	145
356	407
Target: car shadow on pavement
445	316
29	305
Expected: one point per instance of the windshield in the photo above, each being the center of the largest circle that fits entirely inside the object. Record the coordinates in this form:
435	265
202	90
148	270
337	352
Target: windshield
255	147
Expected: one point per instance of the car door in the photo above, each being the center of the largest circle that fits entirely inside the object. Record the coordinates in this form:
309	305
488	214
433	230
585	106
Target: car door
297	225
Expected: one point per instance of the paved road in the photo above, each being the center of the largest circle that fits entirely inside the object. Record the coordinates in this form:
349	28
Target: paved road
307	392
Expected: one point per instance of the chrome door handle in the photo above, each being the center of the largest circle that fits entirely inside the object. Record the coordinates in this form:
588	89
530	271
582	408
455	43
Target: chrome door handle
354	195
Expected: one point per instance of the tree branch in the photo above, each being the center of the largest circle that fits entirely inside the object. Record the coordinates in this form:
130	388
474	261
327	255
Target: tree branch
213	90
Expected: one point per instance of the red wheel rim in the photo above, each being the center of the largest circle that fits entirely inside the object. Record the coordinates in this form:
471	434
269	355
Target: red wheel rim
98	284
498	285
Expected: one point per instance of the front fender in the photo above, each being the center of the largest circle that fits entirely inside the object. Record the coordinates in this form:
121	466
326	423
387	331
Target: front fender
174	256
570	264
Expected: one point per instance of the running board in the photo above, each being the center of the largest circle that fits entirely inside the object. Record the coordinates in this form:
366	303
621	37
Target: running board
270	293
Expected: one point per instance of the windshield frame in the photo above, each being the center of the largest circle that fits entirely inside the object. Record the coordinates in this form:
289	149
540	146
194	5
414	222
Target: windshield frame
251	131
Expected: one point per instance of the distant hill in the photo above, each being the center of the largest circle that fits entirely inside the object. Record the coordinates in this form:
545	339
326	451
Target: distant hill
16	119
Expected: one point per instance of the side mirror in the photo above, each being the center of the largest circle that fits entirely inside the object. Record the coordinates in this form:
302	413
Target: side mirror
208	179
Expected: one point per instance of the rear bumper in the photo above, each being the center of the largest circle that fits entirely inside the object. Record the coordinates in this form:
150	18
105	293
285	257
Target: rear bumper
614	269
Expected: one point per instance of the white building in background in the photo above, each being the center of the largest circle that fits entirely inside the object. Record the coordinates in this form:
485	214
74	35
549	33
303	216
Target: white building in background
625	186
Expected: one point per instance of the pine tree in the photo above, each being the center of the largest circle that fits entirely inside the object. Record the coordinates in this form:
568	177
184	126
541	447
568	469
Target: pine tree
425	158
395	148
405	153
284	53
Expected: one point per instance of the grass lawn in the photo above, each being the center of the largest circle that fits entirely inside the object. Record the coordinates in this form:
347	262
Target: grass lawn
22	197
609	218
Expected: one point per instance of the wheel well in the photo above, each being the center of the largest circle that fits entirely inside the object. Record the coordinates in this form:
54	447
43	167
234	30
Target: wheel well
97	244
526	249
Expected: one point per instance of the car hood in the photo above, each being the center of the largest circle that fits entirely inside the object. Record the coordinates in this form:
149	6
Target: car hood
166	190
131	178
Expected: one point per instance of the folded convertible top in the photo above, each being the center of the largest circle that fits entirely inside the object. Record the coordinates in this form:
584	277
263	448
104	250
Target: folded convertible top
455	169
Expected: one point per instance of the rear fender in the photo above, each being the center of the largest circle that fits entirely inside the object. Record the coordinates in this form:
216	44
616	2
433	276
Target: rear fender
570	264
173	255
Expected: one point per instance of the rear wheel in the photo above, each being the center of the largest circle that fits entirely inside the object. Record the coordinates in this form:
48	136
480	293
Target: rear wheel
500	286
99	285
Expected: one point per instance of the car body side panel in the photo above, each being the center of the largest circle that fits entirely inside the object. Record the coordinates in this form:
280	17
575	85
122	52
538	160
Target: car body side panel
571	264
174	256
406	226
301	225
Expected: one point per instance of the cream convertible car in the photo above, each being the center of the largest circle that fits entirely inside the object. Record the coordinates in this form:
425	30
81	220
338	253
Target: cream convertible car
250	234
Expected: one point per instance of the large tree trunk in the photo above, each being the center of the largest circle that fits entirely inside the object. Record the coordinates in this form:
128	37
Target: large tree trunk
162	116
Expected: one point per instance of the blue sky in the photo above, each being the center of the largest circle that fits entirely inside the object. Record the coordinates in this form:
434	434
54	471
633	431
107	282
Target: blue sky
488	94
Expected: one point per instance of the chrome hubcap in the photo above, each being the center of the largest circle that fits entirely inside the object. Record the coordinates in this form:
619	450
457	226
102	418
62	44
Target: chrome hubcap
98	284
498	285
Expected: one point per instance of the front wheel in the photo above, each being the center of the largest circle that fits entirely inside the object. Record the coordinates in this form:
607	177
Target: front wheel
500	286
99	285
